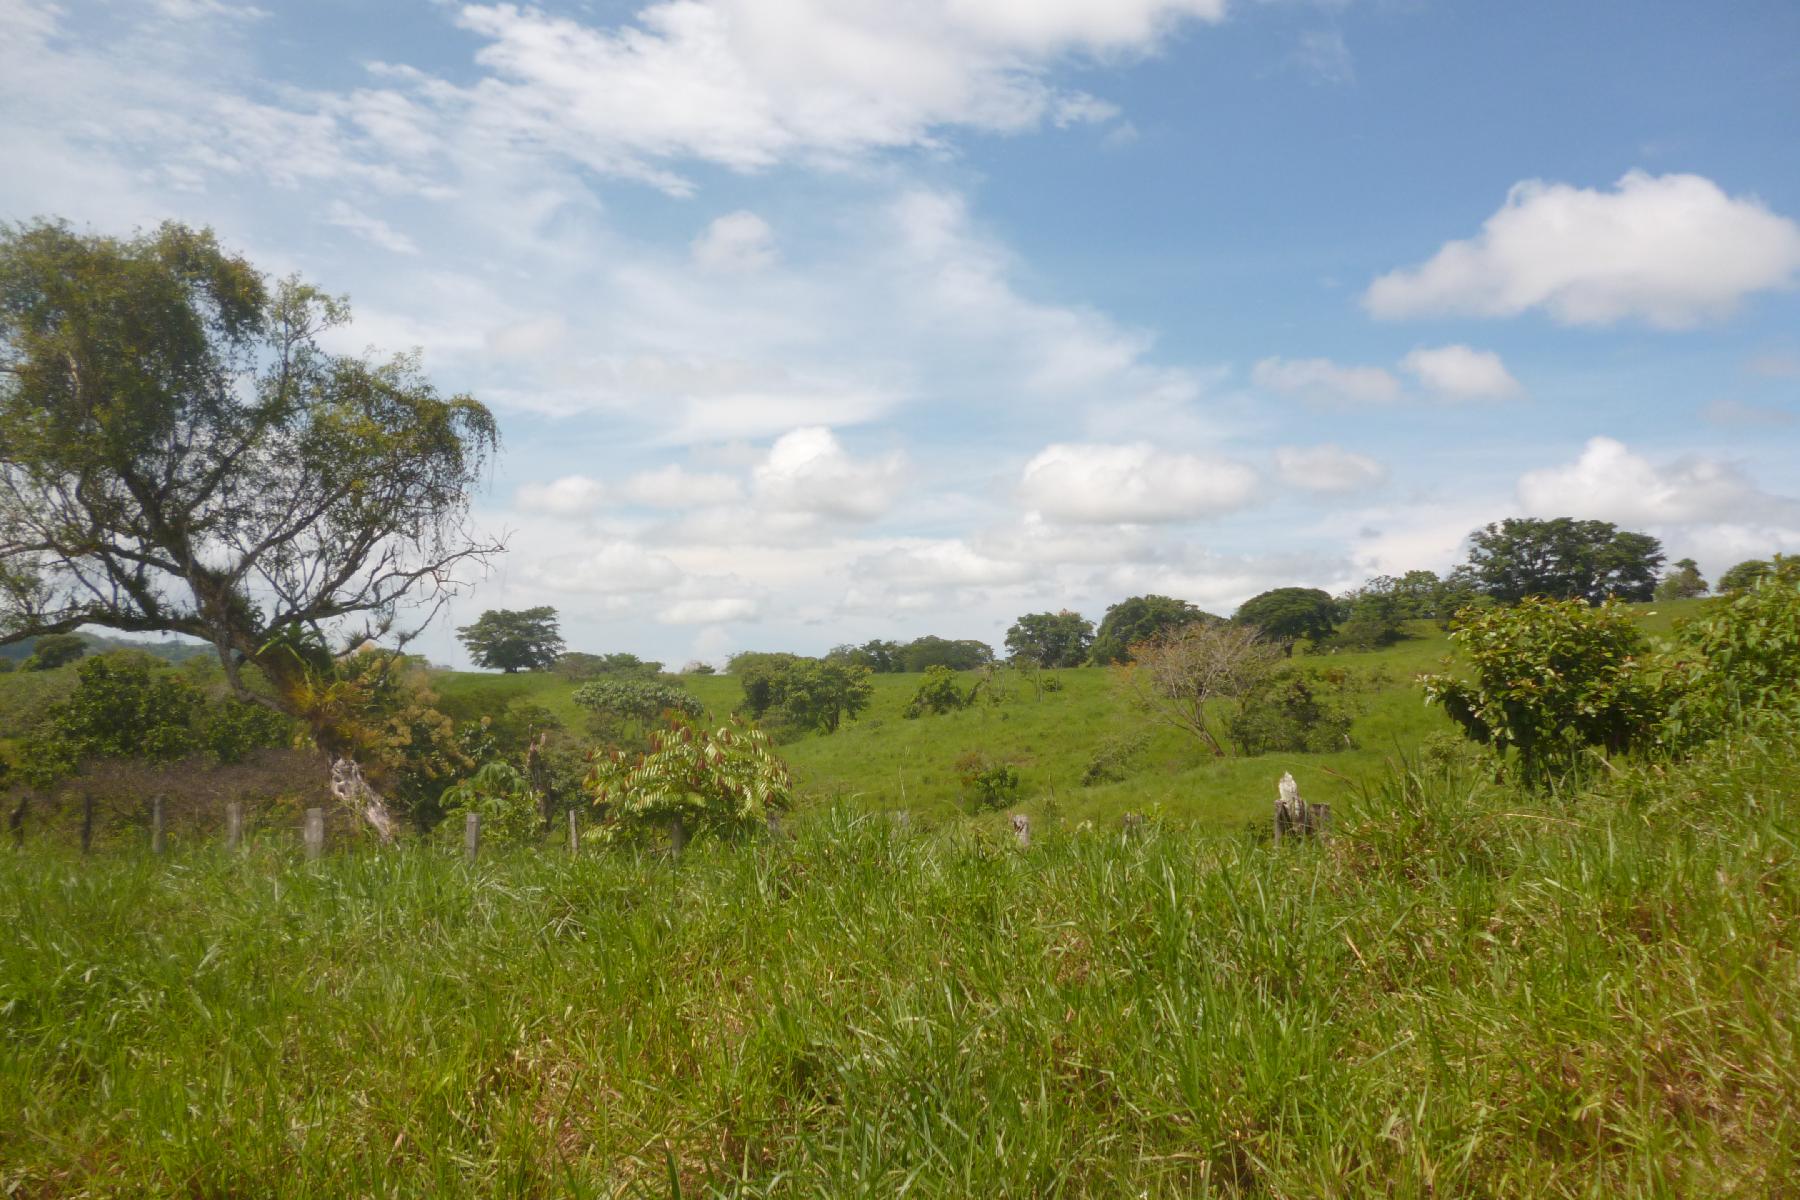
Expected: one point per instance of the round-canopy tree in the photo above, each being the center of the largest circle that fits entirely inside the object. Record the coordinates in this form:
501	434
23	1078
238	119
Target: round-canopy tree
180	454
513	640
1138	619
1289	612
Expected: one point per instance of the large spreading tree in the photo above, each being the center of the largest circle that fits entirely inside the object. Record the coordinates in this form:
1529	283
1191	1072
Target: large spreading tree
1051	639
513	640
1138	619
1285	613
1563	559
181	453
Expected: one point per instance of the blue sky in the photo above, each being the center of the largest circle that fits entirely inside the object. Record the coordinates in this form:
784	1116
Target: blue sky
818	320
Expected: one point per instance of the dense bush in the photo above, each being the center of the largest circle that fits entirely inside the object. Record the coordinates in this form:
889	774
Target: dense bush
503	798
1294	711
637	699
989	783
725	782
1553	678
939	692
1113	759
803	694
1746	657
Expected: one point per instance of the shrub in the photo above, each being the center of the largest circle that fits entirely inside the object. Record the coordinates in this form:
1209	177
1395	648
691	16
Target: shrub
636	699
1553	677
724	782
1295	712
1197	677
503	798
938	693
990	784
1747	648
1113	758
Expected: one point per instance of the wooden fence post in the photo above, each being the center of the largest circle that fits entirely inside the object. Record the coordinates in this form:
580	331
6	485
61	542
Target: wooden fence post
159	832
1131	823
471	835
234	825
1021	825
313	833
574	832
678	836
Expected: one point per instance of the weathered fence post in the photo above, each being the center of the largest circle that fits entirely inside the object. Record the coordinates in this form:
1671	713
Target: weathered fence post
471	835
574	832
1131	823
313	833
678	836
1021	826
159	834
234	825
1294	815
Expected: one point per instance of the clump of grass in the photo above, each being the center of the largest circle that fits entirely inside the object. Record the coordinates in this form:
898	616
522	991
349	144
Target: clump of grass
1468	991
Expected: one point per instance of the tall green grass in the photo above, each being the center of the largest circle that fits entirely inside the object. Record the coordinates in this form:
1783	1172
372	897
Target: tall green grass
1466	992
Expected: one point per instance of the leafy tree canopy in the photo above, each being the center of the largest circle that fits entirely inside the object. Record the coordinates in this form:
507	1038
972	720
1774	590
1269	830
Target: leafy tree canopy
179	453
55	650
1563	559
513	640
1058	639
577	666
961	654
1683	582
881	657
1284	614
1138	619
1747	575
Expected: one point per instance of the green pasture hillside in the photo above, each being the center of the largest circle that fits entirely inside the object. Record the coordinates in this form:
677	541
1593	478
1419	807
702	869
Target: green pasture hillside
884	761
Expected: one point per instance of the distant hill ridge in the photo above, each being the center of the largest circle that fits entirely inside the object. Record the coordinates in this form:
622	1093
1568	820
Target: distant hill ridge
171	651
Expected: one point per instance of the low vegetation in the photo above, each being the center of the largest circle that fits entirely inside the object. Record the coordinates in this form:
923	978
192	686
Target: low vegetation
1471	990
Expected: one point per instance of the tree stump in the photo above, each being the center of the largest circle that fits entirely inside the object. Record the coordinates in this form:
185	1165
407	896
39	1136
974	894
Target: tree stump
1021	827
1294	817
234	825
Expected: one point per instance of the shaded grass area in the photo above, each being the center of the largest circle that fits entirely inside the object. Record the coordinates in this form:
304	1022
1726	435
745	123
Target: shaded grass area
1468	992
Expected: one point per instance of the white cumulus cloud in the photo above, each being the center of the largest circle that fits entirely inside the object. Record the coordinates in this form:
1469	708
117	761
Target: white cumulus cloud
1327	468
1131	484
1461	373
1671	250
808	470
1610	482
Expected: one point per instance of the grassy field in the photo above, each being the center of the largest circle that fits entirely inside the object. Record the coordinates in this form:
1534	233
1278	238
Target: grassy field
1468	992
883	761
